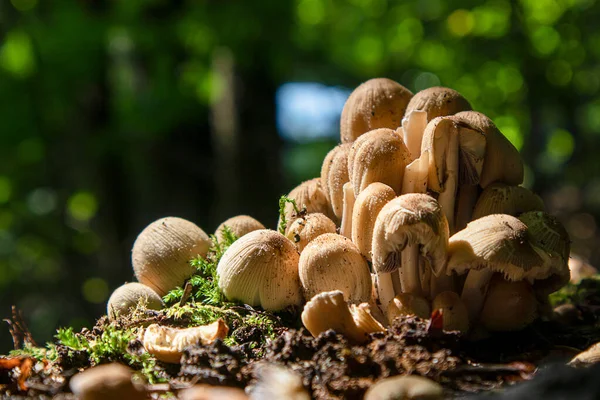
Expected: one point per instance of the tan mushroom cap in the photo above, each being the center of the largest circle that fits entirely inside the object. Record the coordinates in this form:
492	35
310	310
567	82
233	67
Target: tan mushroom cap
377	156
407	387
438	102
502	159
107	381
333	262
261	269
367	206
334	174
500	198
305	229
239	226
208	392
128	296
161	253
405	304
454	312
376	103
588	357
308	194
413	218
508	306
275	381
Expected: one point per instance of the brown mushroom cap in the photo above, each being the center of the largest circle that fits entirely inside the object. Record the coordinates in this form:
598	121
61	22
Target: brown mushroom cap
438	102
334	173
107	381
376	103
305	229
508	306
161	253
500	198
239	225
308	194
128	296
377	156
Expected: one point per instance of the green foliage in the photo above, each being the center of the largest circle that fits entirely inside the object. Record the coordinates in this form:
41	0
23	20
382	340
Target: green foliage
39	353
576	293
67	337
283	200
264	322
199	314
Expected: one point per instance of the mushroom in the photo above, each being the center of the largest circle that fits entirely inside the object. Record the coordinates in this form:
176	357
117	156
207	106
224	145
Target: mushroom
437	101
261	269
334	174
416	175
310	196
580	268
167	344
454	312
405	387
128	296
377	156
107	381
333	262
495	243
161	253
407	228
209	392
277	382
508	306
305	229
500	198
407	304
366	208
376	103
349	199
239	226
413	126
587	358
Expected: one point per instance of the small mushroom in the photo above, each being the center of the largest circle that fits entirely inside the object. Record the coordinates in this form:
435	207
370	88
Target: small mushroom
500	198
167	344
437	102
277	382
261	269
308	195
405	304
239	226
161	253
333	262
209	392
376	103
366	208
580	269
588	357
508	306
128	296
454	311
307	228
377	156
334	174
348	210
409	387
364	319
107	381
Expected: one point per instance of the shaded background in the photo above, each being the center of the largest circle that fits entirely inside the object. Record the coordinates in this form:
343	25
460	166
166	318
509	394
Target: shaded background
116	113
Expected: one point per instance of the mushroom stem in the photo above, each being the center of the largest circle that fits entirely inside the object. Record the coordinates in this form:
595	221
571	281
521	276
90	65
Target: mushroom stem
348	208
415	175
447	197
413	126
475	289
385	289
409	273
467	197
440	284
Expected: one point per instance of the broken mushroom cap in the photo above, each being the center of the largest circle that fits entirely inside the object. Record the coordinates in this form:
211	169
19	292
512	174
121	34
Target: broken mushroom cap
438	102
128	296
167	343
308	195
305	229
377	156
239	226
405	387
162	252
586	358
107	381
376	103
366	208
334	174
454	311
500	198
508	306
209	392
405	304
277	382
502	159
364	319
261	269
333	262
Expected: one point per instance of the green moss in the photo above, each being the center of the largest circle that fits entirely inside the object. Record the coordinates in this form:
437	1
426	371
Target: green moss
48	353
577	293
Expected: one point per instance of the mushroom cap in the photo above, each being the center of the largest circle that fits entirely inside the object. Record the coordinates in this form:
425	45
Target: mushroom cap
239	225
334	173
367	206
333	262
502	159
376	103
162	252
454	312
405	387
378	156
209	392
408	304
499	242
107	381
305	229
500	198
508	306
261	269
438	101
308	194
413	218
128	296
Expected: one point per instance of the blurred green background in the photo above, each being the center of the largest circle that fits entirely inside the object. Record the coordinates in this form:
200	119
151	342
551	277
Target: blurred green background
115	113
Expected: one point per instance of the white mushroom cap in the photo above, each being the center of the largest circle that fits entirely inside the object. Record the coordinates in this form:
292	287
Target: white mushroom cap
107	381
333	262
261	269
404	387
376	103
128	296
334	174
438	102
309	195
239	226
305	229
162	252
